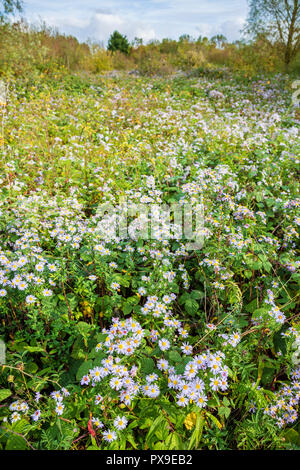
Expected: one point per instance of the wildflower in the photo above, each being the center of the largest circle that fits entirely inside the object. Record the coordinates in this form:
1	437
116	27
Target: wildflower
109	436
30	299
183	332
151	378
115	286
47	292
201	401
97	423
36	415
56	396
59	408
182	400
153	391
96	374
85	380
15	417
116	383
215	383
190	370
162	364
164	344
98	399
120	423
186	349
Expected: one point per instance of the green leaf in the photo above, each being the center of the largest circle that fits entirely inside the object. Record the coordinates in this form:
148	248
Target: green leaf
224	411
131	440
279	341
5	393
32	368
34	349
226	401
214	420
248	274
252	306
15	443
183	298
292	436
78	349
197	294
191	306
84	369
173	442
174	356
267	266
162	432
156	424
197	433
127	308
147	365
83	328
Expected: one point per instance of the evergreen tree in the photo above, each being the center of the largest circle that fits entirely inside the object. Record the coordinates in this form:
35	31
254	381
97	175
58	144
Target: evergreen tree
118	42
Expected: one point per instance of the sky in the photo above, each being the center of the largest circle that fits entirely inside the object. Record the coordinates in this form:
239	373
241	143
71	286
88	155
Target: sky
147	19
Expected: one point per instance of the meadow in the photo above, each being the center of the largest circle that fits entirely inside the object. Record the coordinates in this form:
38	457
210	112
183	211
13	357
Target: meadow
130	343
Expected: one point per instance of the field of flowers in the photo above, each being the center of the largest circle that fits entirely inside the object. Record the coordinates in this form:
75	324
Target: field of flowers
129	343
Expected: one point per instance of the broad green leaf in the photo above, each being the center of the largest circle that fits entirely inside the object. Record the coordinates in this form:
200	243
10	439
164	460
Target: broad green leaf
4	393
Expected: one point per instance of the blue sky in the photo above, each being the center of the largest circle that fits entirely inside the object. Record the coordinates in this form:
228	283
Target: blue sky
149	19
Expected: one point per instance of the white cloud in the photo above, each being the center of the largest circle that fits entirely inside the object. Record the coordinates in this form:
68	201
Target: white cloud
101	25
148	19
231	28
146	33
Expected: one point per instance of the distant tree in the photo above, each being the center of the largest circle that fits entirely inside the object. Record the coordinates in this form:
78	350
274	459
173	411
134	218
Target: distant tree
153	42
239	43
168	46
279	22
137	42
202	40
185	38
9	6
118	42
219	40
